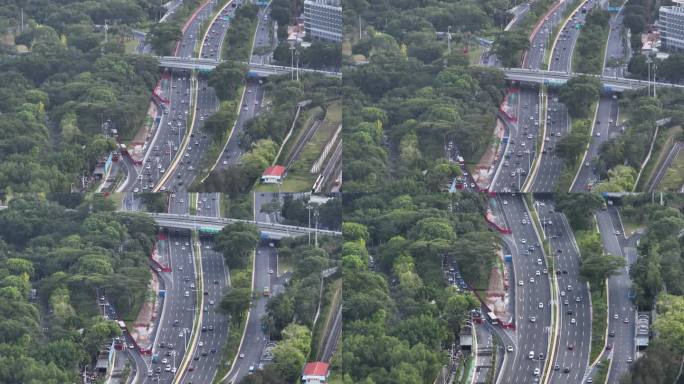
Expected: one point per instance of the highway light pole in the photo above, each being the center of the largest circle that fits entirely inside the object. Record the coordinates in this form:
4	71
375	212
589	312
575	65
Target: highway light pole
449	39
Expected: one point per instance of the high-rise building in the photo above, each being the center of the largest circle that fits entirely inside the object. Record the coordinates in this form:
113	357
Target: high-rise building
671	21
323	19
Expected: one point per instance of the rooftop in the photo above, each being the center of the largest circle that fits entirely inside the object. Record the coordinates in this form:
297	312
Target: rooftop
316	368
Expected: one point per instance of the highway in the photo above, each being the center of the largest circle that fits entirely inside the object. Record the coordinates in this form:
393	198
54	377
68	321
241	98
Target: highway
197	144
215	326
532	297
522	145
250	353
550	166
252	99
574	336
619	304
606	122
166	143
175	323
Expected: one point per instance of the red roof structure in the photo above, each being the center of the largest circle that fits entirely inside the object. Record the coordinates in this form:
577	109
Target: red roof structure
316	368
275	170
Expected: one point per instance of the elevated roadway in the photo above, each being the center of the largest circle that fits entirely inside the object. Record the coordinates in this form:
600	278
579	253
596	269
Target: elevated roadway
208	64
271	231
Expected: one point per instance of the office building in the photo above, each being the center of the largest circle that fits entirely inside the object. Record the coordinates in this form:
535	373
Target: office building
323	19
671	21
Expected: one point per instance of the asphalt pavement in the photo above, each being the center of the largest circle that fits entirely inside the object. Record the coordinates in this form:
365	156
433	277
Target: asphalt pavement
574	337
522	144
606	126
533	297
622	314
558	123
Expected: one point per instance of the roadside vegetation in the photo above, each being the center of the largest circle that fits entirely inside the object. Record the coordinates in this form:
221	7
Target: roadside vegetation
69	255
580	96
591	43
399	313
66	81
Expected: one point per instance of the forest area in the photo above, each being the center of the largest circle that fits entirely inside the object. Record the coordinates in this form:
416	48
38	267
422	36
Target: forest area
68	250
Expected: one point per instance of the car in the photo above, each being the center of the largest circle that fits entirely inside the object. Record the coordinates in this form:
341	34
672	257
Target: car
204	353
533	319
566	302
509	348
187	294
211	327
211	302
566	369
537	273
626	320
246	108
162	344
520	282
136	190
545	271
204	328
158	369
573	321
196	357
598	134
191	368
216	281
590	380
200	343
611	333
562	293
615	316
609	347
206	293
167	368
618	233
523	241
251	368
569	312
192	285
181	334
629	360
569	287
523	221
578	299
242	356
539	261
586	164
532	280
541	305
571	347
165	361
556	367
536	372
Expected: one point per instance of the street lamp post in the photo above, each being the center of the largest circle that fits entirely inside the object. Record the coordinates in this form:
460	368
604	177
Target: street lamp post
292	49
449	39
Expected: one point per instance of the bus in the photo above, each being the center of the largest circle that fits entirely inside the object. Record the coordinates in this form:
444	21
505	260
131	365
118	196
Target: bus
208	232
491	317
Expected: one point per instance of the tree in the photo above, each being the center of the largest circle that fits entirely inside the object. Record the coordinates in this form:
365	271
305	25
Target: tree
227	78
236	303
162	36
597	268
508	47
578	208
578	94
236	241
288	361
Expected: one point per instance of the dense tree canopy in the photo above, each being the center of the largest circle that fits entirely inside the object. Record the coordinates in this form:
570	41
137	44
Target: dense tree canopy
67	256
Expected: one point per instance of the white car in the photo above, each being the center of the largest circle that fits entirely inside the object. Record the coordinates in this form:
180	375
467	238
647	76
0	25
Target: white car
201	343
523	241
520	282
532	280
541	305
539	262
537	273
509	348
572	321
536	372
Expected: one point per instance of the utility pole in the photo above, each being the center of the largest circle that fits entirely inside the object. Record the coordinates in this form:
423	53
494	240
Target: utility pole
316	229
449	39
309	208
292	49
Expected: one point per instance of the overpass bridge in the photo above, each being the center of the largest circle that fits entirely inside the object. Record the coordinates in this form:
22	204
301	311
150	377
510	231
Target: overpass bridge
268	230
556	78
261	70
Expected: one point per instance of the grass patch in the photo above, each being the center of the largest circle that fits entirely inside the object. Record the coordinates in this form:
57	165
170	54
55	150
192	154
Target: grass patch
237	207
591	44
599	318
580	127
131	46
674	176
602	371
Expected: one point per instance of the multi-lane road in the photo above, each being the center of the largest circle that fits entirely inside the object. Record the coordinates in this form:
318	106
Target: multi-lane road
522	144
621	312
557	124
573	344
532	297
606	125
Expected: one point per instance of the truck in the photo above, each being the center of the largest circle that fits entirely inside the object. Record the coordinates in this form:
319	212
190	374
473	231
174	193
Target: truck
267	292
